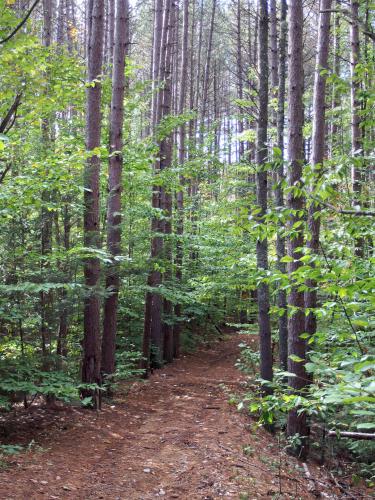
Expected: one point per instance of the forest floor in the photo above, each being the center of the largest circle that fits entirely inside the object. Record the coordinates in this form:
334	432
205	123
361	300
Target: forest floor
173	436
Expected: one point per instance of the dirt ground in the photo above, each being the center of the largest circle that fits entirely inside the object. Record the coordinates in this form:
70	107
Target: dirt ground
173	436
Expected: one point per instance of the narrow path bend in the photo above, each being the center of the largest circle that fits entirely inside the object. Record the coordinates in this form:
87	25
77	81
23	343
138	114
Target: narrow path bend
174	436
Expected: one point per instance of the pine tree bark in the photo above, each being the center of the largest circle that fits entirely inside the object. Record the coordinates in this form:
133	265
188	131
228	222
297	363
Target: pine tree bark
153	341
335	94
240	75
279	191
114	186
296	423
166	146
91	319
206	76
261	182
357	146
181	160
46	214
156	51
318	150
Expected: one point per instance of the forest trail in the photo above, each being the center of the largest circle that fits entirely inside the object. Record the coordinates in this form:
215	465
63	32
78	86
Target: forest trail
173	436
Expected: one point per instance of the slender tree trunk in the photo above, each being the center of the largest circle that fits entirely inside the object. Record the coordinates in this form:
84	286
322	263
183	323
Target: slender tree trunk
273	46
62	348
181	160
158	30
192	90
334	129
199	63
46	214
114	186
111	33
318	151
91	320
61	17
261	181
206	76
357	146
279	191
165	162
239	75
153	342
296	423
273	80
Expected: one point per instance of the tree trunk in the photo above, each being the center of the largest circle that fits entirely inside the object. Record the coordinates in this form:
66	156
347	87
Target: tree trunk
165	162
296	423
357	146
273	46
206	77
261	182
158	30
334	129
318	150
181	160
153	342
279	191
114	186
46	214
91	319
239	76
62	349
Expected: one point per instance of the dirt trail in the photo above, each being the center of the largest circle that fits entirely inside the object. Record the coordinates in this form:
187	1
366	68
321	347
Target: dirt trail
174	436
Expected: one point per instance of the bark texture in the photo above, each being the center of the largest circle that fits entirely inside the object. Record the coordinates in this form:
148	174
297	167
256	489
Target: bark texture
91	340
357	145
279	192
296	424
318	150
114	185
261	181
181	160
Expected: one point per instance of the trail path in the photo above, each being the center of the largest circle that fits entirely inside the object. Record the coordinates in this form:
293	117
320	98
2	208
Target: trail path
174	436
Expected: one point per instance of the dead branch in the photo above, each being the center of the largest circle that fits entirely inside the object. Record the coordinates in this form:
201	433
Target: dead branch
366	436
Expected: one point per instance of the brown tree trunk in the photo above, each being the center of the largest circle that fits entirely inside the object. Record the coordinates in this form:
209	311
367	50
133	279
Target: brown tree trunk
334	129
62	348
181	160
206	76
357	146
153	342
296	423
165	162
279	192
46	214
261	182
273	47
239	76
156	50
114	186
61	16
91	318
318	150
192	90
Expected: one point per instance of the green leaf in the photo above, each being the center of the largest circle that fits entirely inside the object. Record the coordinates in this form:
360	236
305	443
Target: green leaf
296	359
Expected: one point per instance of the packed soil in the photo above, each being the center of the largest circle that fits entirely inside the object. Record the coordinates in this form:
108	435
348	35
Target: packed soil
173	436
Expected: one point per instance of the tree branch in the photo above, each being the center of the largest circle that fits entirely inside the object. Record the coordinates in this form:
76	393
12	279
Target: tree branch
352	435
351	19
4	173
356	213
12	110
19	26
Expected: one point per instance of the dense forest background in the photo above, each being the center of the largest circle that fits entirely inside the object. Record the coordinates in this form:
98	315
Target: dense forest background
169	167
